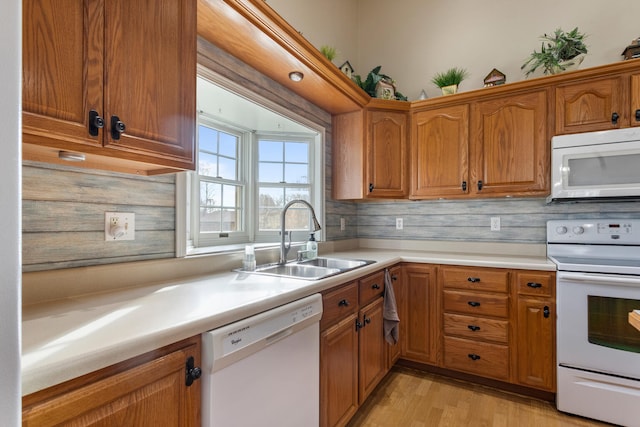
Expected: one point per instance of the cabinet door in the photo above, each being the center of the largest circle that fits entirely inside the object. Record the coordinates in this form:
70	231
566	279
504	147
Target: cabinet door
394	350
420	325
62	71
635	100
150	60
150	394
372	361
387	153
439	152
589	105
536	343
339	373
510	145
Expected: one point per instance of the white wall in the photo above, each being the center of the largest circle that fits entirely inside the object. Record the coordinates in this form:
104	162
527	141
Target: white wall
324	22
10	305
414	39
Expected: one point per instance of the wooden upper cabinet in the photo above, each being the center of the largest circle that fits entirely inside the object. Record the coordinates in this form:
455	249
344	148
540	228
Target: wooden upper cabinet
635	100
129	62
510	145
592	105
440	152
387	153
369	152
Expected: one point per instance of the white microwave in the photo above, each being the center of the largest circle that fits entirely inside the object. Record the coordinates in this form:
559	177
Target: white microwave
595	166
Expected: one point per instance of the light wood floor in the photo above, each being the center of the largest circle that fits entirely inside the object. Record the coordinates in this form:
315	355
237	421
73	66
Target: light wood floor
411	398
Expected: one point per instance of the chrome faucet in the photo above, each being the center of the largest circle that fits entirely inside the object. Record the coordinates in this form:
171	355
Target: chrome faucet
285	249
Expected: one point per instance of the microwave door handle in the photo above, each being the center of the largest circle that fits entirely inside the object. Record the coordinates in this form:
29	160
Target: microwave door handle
599	279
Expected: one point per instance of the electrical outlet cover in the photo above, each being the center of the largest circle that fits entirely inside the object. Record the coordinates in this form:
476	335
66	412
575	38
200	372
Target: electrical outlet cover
119	226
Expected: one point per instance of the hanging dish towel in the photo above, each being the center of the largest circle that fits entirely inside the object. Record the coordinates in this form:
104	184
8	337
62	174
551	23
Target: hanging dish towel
390	317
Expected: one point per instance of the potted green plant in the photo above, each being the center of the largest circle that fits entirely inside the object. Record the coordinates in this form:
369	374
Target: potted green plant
559	52
449	80
329	52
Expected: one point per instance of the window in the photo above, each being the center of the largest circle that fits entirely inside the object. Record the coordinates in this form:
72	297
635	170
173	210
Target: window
251	163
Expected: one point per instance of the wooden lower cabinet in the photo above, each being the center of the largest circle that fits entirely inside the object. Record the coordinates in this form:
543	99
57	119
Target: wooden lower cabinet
339	373
149	390
372	362
353	352
535	330
419	314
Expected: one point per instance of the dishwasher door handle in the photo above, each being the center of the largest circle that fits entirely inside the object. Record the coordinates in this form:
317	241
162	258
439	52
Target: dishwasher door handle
278	336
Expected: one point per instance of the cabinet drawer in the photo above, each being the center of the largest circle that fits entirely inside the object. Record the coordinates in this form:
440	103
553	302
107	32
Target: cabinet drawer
535	284
476	278
371	287
484	359
476	303
338	304
479	328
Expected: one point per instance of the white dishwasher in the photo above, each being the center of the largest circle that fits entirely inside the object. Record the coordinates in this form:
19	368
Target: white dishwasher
264	370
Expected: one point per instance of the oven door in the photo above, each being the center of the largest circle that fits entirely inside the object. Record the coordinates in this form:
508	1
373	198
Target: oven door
594	171
593	329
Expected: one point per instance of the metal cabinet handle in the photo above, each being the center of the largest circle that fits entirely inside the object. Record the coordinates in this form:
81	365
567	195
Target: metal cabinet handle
95	123
534	285
614	118
464	185
394	277
546	312
117	127
479	185
371	187
474	328
473	356
473	279
638	115
343	303
367	320
474	303
375	286
359	325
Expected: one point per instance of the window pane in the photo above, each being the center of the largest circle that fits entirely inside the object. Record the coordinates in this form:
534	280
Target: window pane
297	193
270	151
270	172
270	205
298	217
296	174
230	196
297	152
228	168
210	194
208	164
210	220
207	139
228	145
230	220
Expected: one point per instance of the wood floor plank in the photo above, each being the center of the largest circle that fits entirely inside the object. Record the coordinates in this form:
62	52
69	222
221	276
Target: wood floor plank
411	398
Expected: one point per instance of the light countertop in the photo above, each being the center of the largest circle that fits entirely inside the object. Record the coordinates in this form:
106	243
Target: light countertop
72	336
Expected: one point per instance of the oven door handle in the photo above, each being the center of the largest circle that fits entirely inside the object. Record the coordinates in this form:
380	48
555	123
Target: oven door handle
600	279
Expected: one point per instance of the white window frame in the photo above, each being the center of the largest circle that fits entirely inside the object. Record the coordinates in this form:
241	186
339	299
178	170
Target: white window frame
186	209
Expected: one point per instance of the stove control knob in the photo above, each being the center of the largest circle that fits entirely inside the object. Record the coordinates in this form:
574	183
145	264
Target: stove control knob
578	229
561	230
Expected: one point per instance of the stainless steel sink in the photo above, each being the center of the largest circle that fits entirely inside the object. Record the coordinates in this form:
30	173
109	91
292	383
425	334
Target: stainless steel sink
314	269
339	263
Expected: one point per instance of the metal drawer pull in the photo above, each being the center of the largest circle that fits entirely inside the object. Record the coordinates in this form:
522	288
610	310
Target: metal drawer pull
614	118
534	285
474	328
343	303
473	279
473	356
474	303
375	286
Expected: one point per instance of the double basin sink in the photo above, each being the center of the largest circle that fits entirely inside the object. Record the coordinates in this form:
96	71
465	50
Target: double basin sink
312	269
